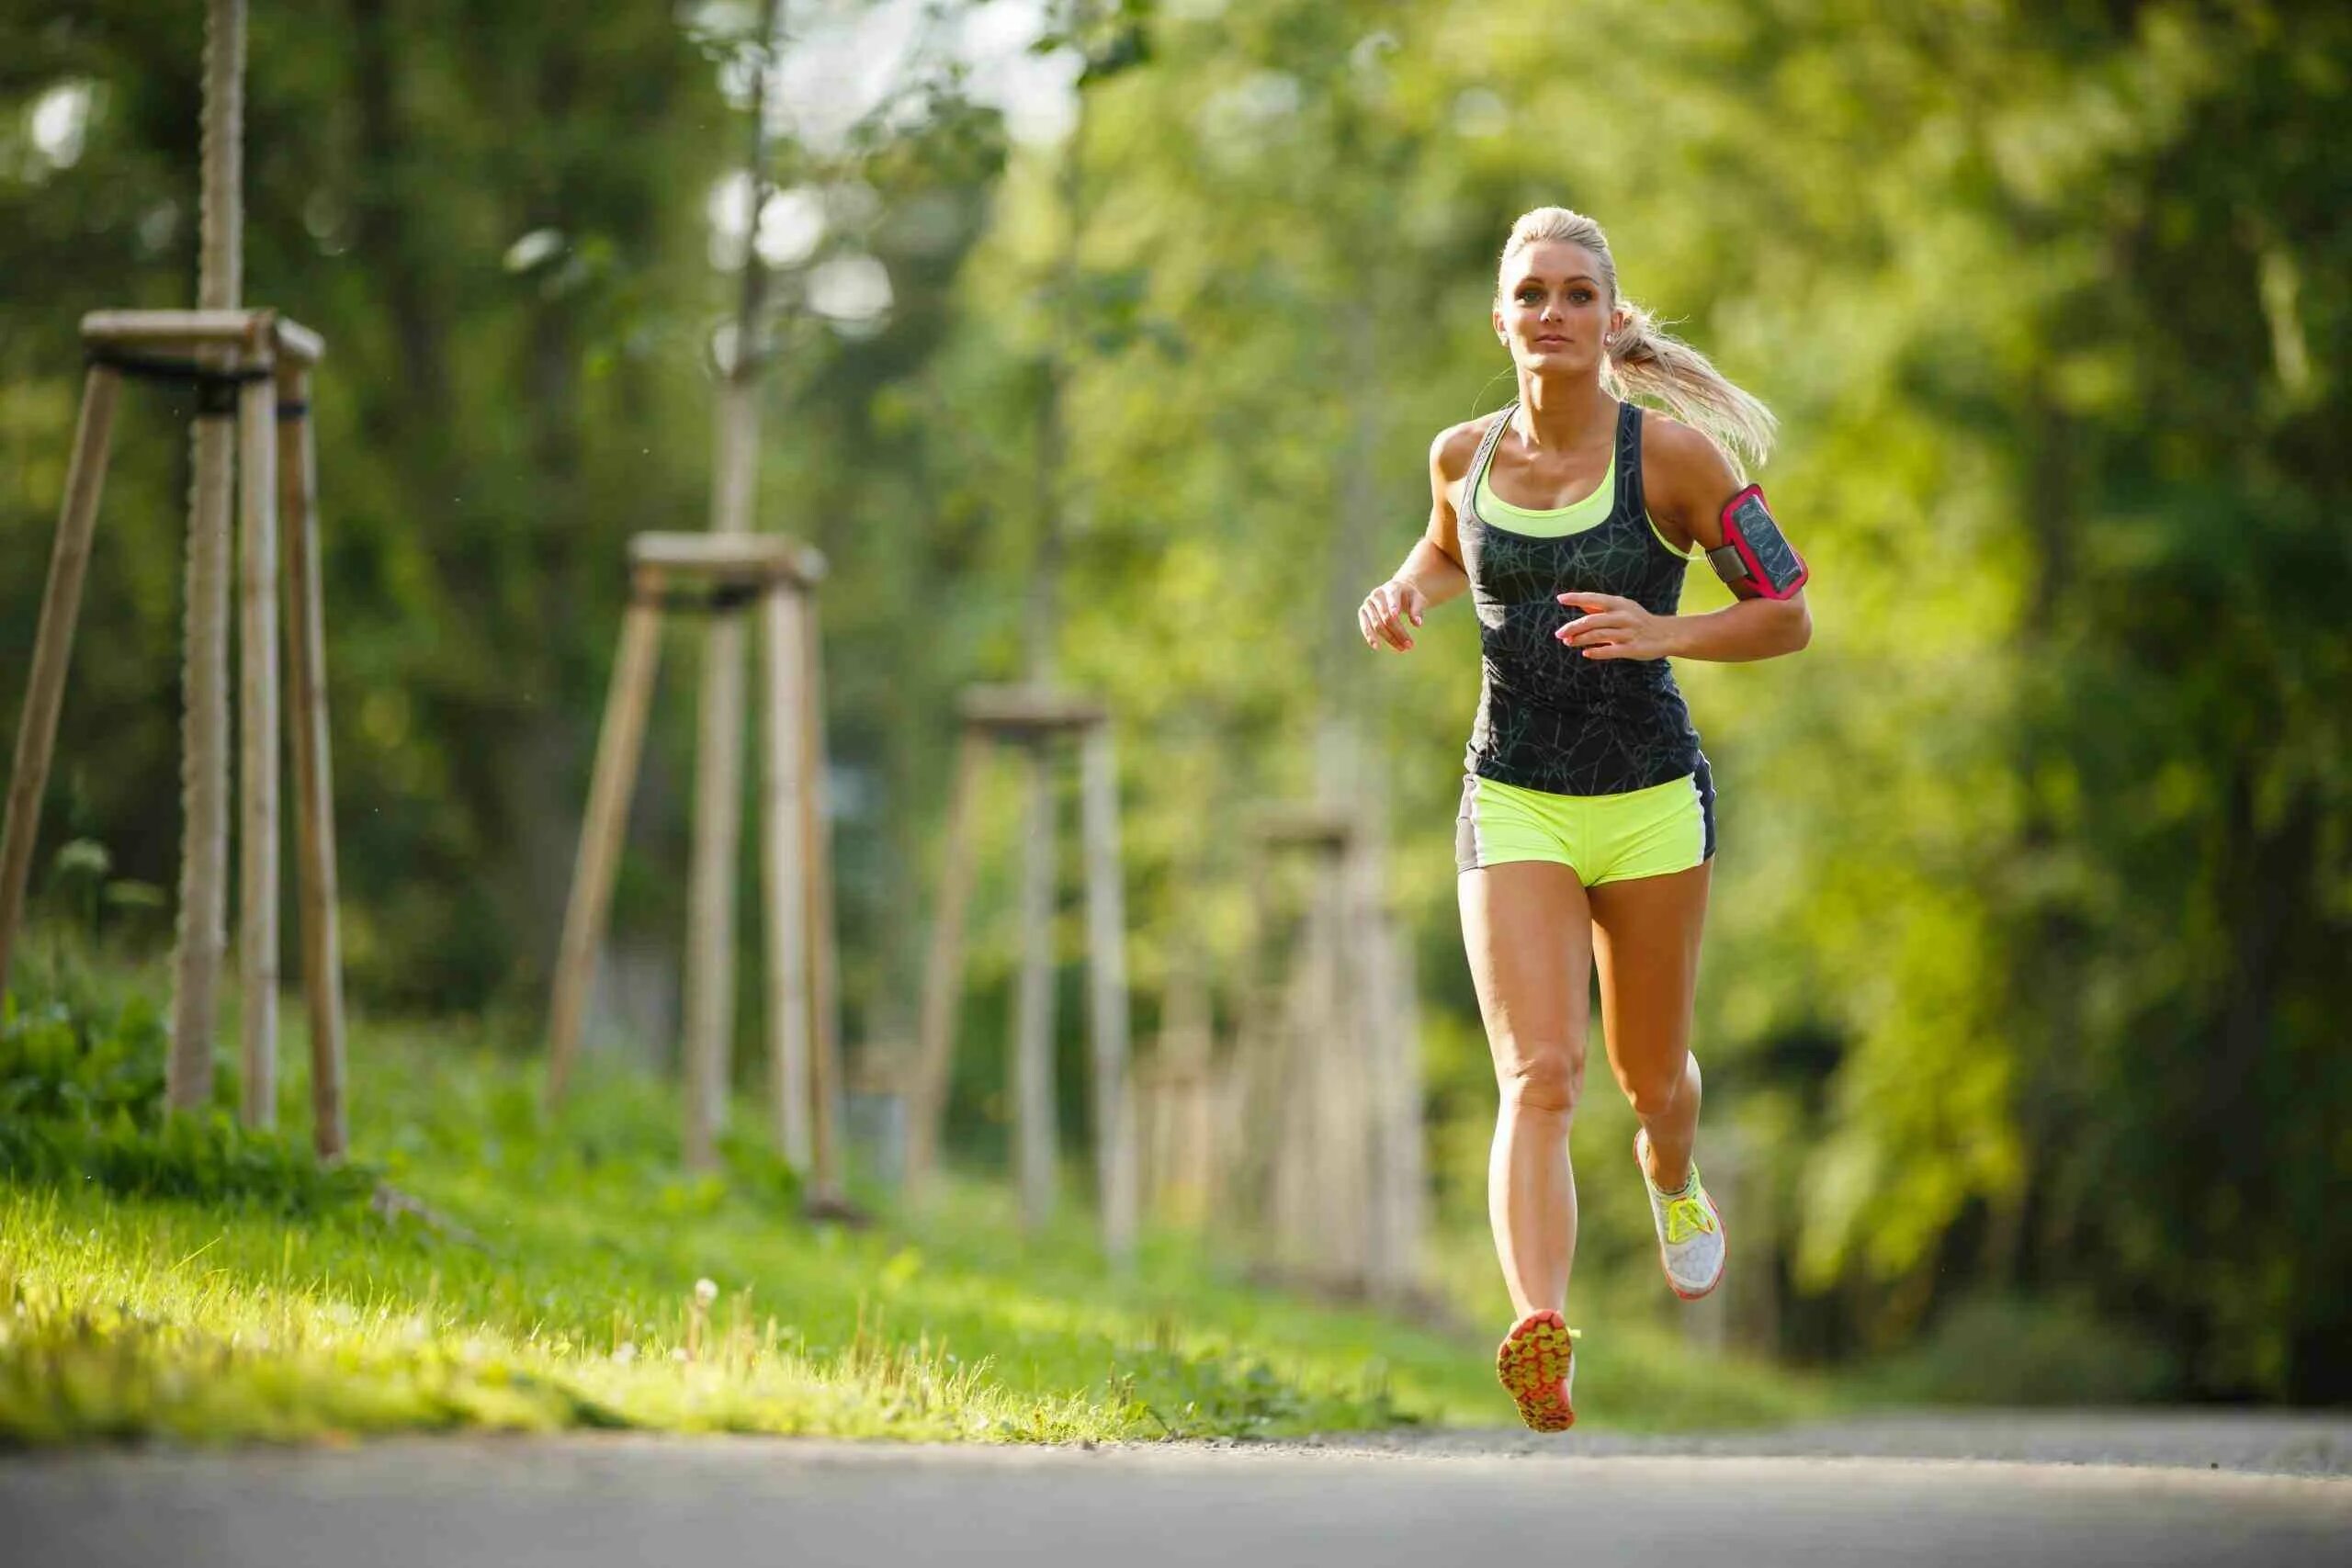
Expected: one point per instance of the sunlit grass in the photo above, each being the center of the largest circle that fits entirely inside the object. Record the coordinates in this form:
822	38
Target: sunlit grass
555	1285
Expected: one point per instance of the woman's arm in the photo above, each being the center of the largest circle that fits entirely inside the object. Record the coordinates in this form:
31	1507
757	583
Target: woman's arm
1432	570
1686	480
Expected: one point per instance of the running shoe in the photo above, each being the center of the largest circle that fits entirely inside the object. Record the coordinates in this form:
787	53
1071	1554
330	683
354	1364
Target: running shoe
1537	1365
1690	1231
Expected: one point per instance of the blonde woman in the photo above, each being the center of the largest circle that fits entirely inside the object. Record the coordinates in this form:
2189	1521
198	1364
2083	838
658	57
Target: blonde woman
1587	832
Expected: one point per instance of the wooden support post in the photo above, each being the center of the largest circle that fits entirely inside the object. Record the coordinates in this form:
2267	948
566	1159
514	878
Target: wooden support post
1035	1140
783	875
204	773
824	958
711	899
719	800
1340	1042
298	500
1245	1179
259	738
1186	1145
60	607
600	830
1297	1078
1106	966
942	981
1399	1162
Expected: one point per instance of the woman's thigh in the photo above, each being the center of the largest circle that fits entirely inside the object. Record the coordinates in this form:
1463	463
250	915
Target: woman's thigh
1528	933
1645	936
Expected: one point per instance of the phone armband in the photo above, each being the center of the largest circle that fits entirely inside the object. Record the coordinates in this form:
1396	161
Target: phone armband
1755	553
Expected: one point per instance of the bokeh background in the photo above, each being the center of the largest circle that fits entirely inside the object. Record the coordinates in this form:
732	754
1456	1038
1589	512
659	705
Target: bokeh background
2025	1004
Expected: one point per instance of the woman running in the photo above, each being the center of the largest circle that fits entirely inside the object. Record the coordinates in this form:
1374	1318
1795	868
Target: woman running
1587	823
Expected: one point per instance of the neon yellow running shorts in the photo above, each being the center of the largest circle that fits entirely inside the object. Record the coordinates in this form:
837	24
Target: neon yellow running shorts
1603	837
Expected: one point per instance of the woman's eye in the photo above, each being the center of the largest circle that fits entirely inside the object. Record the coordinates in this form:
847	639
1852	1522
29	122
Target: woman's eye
1530	296
1580	296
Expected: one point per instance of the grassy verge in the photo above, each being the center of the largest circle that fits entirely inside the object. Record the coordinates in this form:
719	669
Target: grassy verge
216	1289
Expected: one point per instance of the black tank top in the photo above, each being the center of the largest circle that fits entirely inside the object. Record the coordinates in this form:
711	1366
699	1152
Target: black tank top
1550	718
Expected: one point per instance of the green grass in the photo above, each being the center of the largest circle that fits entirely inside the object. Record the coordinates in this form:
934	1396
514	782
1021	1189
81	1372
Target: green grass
207	1293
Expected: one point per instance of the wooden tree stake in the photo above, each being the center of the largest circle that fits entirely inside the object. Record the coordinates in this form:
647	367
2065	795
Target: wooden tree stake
259	738
782	869
621	739
1106	965
60	607
314	774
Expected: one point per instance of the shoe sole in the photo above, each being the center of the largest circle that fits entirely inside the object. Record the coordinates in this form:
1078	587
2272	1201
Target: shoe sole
1703	1292
1533	1362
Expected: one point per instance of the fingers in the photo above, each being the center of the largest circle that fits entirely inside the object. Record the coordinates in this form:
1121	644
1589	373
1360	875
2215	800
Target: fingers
1610	627
1377	620
1604	626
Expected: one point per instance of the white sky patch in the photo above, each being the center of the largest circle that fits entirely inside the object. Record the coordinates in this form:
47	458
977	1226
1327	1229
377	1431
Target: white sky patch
728	209
844	59
792	226
58	121
1036	93
851	290
534	248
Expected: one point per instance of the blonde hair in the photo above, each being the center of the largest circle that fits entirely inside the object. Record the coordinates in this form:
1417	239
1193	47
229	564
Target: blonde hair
1641	359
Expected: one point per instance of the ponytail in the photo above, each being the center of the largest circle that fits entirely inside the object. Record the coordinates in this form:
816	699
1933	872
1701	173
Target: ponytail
1645	360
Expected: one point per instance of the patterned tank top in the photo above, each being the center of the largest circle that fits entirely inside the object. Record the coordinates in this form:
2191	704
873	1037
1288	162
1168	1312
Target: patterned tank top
1550	718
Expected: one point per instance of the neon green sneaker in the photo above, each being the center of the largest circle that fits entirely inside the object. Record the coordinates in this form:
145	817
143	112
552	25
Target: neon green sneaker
1690	1231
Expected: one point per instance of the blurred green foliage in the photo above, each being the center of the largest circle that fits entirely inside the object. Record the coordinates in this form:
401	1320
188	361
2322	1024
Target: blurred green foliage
82	1103
2023	976
2010	1350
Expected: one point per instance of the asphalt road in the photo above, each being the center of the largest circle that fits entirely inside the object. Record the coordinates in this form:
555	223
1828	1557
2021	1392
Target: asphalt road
2073	1490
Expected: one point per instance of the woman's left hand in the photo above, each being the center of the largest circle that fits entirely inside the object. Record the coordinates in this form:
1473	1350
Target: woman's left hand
1614	627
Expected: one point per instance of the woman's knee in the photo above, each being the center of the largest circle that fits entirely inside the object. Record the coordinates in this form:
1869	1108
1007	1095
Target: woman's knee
1548	1077
1653	1088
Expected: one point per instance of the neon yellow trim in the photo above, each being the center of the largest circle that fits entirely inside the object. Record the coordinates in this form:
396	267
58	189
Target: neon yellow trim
1693	553
1687	1218
1553	522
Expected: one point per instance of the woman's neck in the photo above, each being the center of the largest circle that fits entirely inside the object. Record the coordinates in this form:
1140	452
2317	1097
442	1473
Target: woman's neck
1558	415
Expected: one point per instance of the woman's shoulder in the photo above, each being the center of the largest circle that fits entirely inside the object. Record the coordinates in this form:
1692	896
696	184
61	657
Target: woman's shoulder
1456	445
1671	449
1682	462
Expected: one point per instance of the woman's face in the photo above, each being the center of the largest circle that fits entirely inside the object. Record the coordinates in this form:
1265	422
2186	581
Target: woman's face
1554	309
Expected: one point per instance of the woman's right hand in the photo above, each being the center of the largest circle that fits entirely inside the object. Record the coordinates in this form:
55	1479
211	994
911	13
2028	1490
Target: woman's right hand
1388	610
